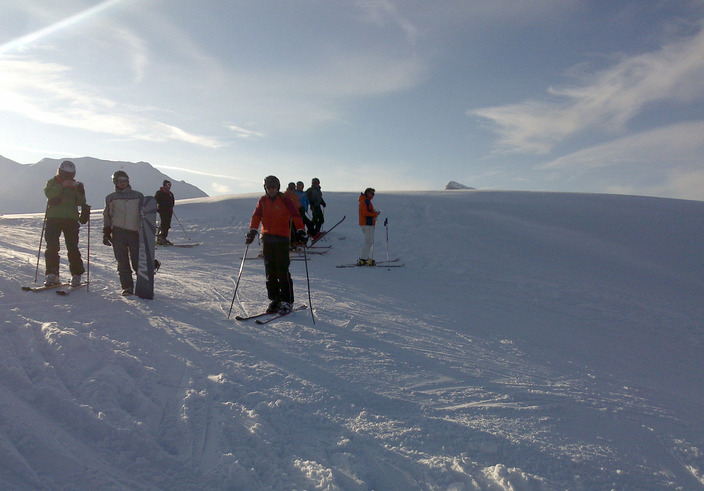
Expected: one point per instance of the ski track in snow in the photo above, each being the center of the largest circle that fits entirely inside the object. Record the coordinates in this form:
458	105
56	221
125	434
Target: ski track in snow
534	341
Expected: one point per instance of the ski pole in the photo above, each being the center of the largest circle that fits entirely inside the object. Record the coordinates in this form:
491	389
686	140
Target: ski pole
237	283
184	230
41	239
386	225
88	261
310	302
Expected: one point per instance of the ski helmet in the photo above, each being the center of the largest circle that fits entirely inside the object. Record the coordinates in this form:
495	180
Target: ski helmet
315	181
272	182
118	175
67	170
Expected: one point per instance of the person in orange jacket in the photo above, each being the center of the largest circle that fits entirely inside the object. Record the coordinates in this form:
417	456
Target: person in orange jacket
274	212
367	220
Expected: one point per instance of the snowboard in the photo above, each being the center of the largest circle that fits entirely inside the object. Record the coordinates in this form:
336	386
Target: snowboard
147	243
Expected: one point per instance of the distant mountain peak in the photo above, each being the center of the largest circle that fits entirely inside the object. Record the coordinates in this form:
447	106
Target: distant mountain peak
456	185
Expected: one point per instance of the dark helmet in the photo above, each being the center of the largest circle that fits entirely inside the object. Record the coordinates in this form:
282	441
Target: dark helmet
272	182
118	175
67	170
315	181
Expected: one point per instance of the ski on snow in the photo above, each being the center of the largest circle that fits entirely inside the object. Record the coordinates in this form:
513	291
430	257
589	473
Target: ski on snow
70	288
274	315
186	245
280	315
323	234
42	288
380	264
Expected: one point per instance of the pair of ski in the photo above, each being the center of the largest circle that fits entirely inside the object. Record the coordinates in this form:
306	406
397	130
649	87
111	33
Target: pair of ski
392	263
186	245
61	288
323	234
273	315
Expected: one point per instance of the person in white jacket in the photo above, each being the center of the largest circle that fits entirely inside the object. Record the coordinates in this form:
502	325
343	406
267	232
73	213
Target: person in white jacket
121	216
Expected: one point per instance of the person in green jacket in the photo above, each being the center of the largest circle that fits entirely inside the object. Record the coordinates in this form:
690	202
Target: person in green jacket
64	195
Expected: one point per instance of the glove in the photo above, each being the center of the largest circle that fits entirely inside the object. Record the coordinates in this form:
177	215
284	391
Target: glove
323	203
107	236
85	214
68	183
250	236
301	236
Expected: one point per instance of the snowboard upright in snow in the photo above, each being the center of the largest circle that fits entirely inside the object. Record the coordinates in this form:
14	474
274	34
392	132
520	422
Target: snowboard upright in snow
147	230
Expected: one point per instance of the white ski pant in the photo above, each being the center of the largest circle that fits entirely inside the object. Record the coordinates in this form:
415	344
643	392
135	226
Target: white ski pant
368	231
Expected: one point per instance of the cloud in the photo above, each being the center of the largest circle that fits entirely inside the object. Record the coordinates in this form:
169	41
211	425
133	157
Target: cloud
605	101
662	162
44	92
244	133
680	144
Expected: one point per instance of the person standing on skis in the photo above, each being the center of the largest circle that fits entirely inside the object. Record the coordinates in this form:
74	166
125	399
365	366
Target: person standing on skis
274	212
315	196
291	194
64	195
305	203
121	217
165	207
367	221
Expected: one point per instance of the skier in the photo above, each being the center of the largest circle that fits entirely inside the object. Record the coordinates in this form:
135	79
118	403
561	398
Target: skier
315	196
121	217
274	212
291	194
367	221
64	196
305	203
165	207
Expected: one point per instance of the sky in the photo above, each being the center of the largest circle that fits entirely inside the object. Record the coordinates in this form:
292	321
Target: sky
537	95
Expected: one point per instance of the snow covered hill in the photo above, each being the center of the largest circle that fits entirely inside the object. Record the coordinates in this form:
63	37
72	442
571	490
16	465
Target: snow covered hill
22	188
532	341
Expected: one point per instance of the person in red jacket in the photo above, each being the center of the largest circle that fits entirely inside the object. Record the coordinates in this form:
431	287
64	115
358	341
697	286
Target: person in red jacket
367	220
274	212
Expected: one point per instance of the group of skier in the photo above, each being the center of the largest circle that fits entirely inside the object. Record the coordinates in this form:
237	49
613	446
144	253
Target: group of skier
121	222
282	217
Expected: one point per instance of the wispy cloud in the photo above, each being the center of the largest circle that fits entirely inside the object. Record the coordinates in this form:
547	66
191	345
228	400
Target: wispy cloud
662	162
45	92
674	145
383	12
244	133
605	101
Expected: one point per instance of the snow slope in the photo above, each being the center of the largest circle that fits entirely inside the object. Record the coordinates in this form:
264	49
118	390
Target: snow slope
533	341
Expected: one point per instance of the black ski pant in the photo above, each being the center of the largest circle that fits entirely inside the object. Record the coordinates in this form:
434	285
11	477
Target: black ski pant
165	223
54	228
279	285
125	245
318	220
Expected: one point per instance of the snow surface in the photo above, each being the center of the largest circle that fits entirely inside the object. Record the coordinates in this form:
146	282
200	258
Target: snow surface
532	341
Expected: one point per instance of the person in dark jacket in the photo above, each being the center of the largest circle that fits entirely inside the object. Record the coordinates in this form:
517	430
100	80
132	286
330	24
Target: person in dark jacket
274	212
64	195
367	221
317	203
165	207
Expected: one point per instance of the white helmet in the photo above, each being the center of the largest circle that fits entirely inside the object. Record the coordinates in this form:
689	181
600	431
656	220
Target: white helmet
67	170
